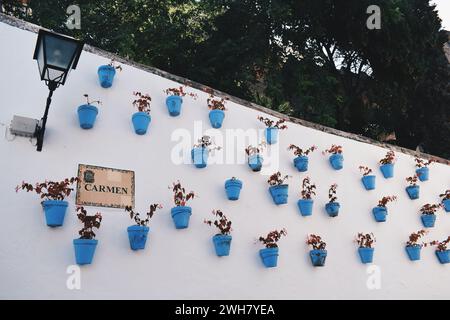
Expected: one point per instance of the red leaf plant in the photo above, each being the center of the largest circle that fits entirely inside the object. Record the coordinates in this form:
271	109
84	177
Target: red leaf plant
334	149
365	240
441	245
445	195
216	103
89	222
365	170
388	158
115	65
316	242
180	92
206	142
385	200
332	192
222	223
421	163
89	102
270	241
300	152
137	218
308	189
412	180
142	102
415	237
279	124
50	190
251	150
180	197
430	208
276	179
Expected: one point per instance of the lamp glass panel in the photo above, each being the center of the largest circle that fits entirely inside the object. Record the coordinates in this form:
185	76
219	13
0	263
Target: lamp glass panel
59	52
40	59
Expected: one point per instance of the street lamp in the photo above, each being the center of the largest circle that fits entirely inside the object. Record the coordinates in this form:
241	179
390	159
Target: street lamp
56	55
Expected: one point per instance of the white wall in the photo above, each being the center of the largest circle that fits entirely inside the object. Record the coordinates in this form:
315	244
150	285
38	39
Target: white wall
181	264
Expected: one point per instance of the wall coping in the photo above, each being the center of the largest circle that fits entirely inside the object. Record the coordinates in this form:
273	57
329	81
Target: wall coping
24	25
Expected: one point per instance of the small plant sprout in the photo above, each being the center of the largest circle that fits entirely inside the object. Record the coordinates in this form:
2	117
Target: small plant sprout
388	158
50	190
251	150
113	63
421	163
300	152
180	197
316	242
429	209
334	149
207	143
270	241
180	92
365	240
332	193
412	180
89	222
216	103
142	102
276	179
365	170
385	200
308	189
279	124
222	223
89	102
445	195
414	238
137	218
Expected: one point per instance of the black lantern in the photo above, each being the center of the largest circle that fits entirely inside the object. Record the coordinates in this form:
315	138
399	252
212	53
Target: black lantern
56	55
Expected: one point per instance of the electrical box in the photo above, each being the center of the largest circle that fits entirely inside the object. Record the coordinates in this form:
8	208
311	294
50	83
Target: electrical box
23	126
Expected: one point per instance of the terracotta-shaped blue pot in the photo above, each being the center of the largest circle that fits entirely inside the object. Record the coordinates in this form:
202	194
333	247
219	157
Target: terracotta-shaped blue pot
200	157
180	216
443	256
366	254
216	118
173	104
413	252
318	257
332	208
279	193
222	244
87	114
387	170
379	213
141	121
305	206
428	220
269	257
55	211
423	173
84	250
255	162
301	163
368	182
337	161
106	75
413	192
446	204
233	188
271	135
137	235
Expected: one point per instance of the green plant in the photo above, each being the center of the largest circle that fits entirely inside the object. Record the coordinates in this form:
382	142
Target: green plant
50	190
270	241
142	102
279	124
389	158
137	218
276	179
222	223
308	189
316	242
180	197
300	152
365	240
89	222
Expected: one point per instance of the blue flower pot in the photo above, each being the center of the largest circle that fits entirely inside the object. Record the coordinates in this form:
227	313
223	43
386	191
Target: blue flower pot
233	188
180	216
413	252
106	75
279	193
84	250
318	257
271	135
413	192
379	213
216	118
446	204
301	163
366	254
387	170
86	115
255	162
141	120
423	173
199	157
368	182
337	161
222	244
332	208
305	206
173	104
443	256
137	236
269	257
428	220
55	211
